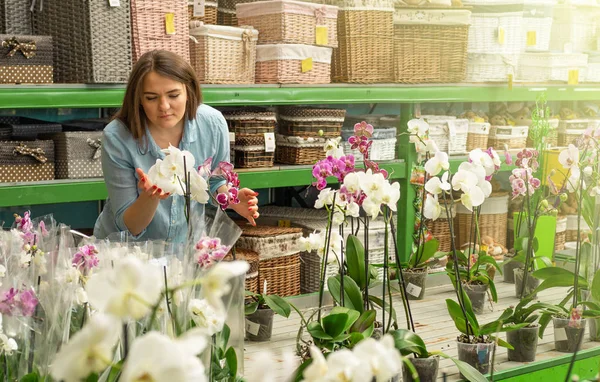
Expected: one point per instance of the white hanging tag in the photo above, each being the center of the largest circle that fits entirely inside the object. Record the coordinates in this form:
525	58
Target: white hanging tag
198	8
252	327
114	3
269	142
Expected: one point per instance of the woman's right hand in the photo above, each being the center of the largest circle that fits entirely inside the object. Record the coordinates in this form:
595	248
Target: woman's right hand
148	189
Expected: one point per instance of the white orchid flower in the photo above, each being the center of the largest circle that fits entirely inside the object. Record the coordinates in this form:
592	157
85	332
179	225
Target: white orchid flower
431	147
569	157
325	198
482	158
166	181
436	186
352	182
128	291
343	365
486	187
381	357
588	171
338	217
372	207
473	197
475	168
391	195
206	317
156	357
89	351
432	209
574	180
198	188
332	148
417	127
215	283
353	209
464	180
373	185
438	163
7	345
174	161
318	368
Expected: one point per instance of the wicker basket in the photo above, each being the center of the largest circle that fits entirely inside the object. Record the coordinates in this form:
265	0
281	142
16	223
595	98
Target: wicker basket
440	230
484	67
311	122
569	131
477	138
298	150
381	149
378	133
492	221
571	229
290	22
537	24
366	46
149	26
574	28
430	45
544	67
252	274
31	61
592	73
15	17
310	272
92	40
551	139
250	152
226	17
223	55
26	161
22	128
284	64
515	137
496	27
281	274
561	233
210	12
78	154
449	133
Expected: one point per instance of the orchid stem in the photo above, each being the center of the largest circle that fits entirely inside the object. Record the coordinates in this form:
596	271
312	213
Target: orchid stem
407	311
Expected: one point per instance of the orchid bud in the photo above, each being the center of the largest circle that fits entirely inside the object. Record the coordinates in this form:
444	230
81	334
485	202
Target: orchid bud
27	247
544	204
321	133
554	212
564	197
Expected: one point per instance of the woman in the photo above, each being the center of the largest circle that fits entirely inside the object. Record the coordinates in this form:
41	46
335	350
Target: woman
162	106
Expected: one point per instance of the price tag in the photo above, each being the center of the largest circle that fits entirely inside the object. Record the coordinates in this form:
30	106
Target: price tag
501	35
531	38
198	8
169	23
321	35
560	334
231	137
252	327
284	223
510	82
307	64
413	290
573	77
114	3
269	142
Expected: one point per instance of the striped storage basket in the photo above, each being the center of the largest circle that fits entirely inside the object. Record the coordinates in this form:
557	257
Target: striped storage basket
78	154
545	67
160	24
489	67
430	45
21	128
291	22
252	126
550	139
279	259
26	59
571	231
477	137
496	27
537	24
310	121
15	17
449	133
92	40
206	14
561	233
293	64
515	137
299	150
223	55
574	28
569	131
26	161
492	221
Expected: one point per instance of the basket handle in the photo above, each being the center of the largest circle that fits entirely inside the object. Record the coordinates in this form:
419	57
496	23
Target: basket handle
37	153
96	144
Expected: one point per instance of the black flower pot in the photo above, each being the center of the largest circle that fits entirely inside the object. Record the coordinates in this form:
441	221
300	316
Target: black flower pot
259	325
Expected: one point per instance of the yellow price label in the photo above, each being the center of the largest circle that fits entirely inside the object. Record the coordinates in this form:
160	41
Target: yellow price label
284	223
510	82
321	35
531	38
501	35
307	64
573	77
169	23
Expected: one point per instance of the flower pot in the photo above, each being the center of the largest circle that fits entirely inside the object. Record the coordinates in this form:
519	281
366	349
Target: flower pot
414	280
427	368
525	342
568	338
594	329
507	270
477	355
259	325
478	296
532	284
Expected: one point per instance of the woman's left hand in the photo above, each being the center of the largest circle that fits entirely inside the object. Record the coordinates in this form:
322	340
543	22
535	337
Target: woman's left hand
248	205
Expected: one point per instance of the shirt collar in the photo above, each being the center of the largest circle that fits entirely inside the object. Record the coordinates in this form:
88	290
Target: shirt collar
189	134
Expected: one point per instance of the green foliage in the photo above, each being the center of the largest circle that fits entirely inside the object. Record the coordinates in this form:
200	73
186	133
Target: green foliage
355	258
352	293
423	254
477	273
273	302
342	327
224	363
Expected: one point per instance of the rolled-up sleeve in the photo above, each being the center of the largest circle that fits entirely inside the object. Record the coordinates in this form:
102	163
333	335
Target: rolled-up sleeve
221	136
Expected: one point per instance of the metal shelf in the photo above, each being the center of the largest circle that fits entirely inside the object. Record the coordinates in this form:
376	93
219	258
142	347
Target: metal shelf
94	96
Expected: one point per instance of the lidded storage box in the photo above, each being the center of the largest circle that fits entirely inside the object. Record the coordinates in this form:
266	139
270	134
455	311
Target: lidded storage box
21	128
26	161
78	154
92	40
25	59
430	45
208	15
254	129
223	55
298	150
382	148
291	22
544	67
310	121
293	64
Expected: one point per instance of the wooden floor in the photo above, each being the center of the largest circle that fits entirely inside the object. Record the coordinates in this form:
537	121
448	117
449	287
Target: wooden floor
432	323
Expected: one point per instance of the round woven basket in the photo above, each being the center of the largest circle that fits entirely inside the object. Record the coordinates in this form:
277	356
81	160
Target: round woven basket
440	230
492	221
282	275
247	255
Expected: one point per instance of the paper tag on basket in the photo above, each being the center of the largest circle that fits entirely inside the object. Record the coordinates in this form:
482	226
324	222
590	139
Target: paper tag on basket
231	137
501	35
284	223
198	8
169	23
252	327
510	82
321	35
531	38
560	334
451	129
413	290
573	76
307	64
114	3
269	142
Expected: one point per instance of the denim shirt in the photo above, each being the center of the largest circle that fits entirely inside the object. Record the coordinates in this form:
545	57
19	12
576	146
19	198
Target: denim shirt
205	136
